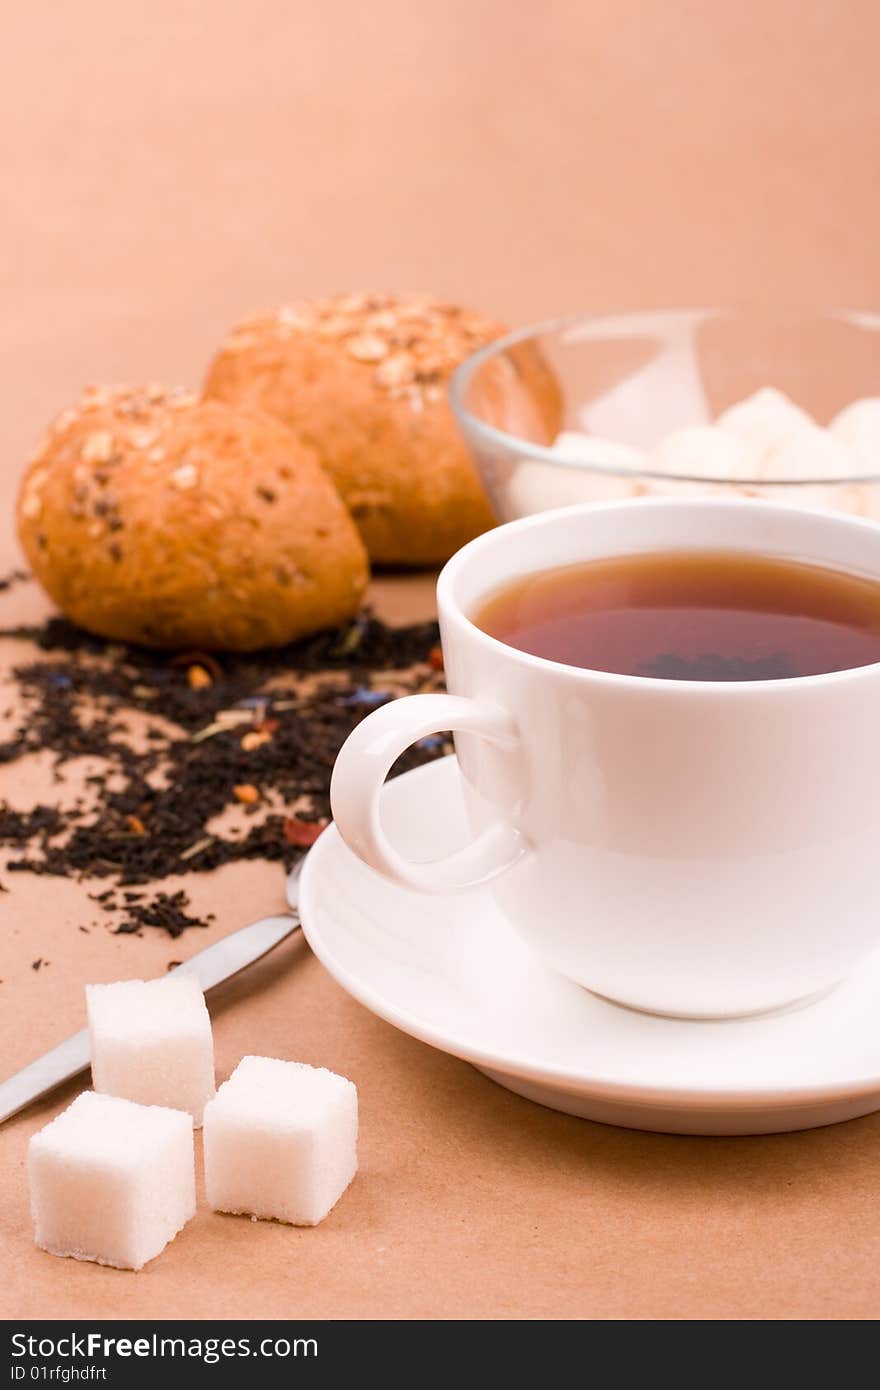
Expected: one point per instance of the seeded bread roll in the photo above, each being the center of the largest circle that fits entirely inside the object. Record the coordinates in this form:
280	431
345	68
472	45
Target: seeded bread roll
150	516
362	379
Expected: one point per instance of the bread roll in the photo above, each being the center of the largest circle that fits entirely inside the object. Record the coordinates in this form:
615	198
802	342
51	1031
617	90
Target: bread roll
362	379
151	516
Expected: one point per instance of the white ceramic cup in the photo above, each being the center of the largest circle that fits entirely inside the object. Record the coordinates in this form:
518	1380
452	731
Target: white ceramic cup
694	848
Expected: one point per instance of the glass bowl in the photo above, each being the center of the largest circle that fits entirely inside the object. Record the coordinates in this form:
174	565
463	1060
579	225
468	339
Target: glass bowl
625	383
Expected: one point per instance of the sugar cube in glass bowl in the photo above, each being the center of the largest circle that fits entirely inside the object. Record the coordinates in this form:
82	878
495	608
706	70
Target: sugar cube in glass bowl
773	404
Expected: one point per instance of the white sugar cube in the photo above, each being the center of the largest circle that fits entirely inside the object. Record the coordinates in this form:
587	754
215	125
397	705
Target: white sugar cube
539	487
280	1141
859	427
151	1042
705	451
813	453
765	420
112	1181
592	448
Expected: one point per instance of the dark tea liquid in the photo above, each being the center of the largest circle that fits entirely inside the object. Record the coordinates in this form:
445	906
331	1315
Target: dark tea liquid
692	615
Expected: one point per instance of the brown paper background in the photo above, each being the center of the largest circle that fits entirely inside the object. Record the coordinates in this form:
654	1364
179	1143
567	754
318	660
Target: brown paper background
169	167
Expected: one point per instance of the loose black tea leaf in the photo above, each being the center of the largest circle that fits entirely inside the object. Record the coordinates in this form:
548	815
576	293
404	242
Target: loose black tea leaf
259	734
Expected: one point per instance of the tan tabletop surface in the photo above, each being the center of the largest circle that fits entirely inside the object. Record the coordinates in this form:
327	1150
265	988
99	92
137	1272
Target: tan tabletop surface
167	168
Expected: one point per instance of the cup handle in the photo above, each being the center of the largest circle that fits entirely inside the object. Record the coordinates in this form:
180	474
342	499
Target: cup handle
364	761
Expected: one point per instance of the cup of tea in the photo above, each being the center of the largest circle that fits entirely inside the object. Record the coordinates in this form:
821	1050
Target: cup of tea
667	720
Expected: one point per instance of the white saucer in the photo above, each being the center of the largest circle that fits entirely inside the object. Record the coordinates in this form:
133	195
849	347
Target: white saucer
449	971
